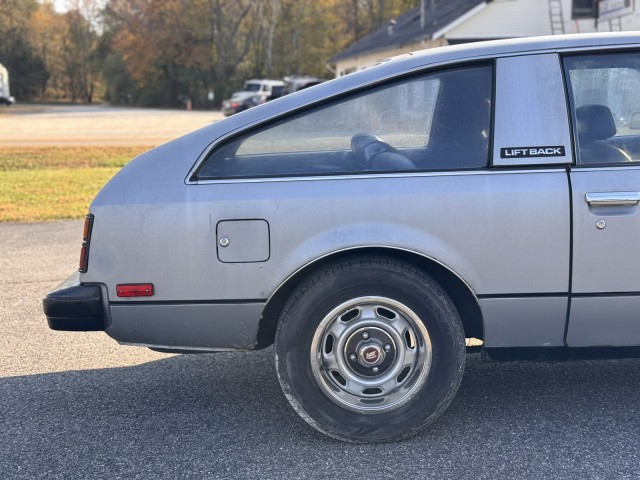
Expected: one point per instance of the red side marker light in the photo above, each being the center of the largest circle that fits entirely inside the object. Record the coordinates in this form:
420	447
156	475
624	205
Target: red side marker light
135	290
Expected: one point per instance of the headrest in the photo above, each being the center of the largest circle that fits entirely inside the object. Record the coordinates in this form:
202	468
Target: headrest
595	122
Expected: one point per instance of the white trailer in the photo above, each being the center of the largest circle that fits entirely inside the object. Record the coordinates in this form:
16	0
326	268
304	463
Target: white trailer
5	95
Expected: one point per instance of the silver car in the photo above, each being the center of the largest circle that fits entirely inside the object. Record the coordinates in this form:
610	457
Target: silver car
372	226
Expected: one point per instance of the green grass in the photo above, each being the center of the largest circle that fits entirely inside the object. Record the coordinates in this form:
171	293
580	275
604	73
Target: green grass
66	157
44	184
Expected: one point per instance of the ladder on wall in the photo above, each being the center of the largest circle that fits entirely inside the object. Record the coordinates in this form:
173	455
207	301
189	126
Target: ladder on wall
556	17
615	24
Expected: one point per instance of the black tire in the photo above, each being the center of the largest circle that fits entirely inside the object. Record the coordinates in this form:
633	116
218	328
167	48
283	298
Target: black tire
393	318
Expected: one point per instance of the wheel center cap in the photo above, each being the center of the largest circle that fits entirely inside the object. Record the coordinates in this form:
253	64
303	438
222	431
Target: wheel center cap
370	355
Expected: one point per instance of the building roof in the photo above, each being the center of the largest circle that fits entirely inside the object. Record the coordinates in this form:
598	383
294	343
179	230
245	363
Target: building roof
407	29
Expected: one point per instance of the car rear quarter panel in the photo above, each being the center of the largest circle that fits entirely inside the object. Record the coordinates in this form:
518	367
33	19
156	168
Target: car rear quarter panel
480	225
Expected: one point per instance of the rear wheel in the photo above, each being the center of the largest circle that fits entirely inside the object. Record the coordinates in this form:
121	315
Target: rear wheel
369	349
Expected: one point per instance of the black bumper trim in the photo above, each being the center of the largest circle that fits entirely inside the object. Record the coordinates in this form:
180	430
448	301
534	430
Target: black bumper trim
77	308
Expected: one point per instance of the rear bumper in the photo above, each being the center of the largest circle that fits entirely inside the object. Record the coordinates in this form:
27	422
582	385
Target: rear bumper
75	307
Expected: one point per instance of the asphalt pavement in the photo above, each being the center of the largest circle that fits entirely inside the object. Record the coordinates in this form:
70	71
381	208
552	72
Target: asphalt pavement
78	405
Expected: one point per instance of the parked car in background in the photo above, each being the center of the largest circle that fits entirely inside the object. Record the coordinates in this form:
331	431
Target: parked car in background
370	226
296	83
5	95
267	89
239	102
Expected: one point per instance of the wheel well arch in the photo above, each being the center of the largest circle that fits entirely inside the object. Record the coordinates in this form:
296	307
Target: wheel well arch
460	293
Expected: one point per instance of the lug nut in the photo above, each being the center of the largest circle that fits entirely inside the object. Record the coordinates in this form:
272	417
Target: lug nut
375	369
365	335
353	357
387	347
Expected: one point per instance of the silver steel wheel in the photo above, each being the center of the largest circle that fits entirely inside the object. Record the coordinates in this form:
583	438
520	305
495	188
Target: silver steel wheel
371	354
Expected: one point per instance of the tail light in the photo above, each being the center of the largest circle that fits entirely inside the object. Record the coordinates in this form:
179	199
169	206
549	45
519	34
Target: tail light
86	240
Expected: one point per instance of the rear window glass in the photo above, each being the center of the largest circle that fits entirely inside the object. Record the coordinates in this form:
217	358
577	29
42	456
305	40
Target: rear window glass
435	121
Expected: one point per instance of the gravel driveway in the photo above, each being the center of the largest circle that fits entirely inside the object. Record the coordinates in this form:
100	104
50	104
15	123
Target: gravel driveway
78	405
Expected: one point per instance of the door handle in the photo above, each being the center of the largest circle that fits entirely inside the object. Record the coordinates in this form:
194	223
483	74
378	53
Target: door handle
612	199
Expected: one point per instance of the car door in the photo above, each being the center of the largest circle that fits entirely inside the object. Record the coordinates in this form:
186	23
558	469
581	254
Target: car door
605	298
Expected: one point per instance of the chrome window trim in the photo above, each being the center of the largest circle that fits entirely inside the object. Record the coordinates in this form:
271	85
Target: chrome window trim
605	167
609	48
446	173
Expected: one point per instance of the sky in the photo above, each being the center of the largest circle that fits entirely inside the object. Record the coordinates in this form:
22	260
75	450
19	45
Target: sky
60	5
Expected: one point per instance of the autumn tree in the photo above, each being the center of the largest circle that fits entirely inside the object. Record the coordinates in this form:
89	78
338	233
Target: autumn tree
157	52
47	29
231	24
161	52
79	44
157	43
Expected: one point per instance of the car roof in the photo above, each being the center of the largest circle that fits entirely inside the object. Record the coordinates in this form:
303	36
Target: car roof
528	45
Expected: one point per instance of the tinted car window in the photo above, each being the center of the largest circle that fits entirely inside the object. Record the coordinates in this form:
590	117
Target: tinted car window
435	121
605	106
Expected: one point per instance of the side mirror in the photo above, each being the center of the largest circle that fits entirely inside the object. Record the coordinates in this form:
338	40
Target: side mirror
635	121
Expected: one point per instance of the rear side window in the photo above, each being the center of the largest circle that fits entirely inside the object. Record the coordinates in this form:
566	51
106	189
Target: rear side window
431	122
605	106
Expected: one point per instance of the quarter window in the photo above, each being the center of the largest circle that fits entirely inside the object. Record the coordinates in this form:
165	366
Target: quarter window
605	107
431	122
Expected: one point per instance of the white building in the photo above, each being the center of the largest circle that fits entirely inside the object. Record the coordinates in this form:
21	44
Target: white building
441	22
524	18
416	29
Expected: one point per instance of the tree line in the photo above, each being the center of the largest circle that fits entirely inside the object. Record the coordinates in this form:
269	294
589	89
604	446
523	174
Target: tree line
161	52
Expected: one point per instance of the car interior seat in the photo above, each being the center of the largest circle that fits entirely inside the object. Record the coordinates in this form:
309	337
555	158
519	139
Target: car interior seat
595	126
